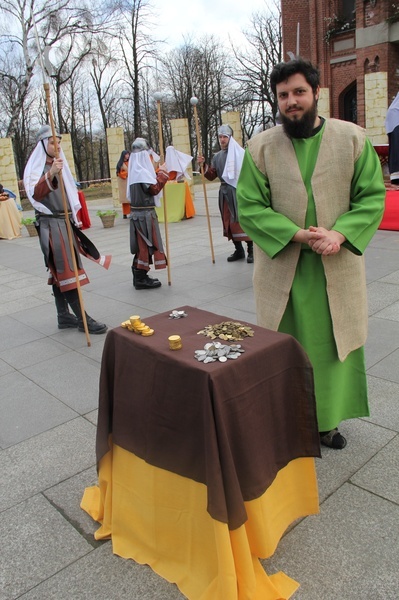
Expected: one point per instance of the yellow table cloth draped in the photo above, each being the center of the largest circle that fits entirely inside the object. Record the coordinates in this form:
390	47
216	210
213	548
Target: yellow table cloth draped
158	518
179	203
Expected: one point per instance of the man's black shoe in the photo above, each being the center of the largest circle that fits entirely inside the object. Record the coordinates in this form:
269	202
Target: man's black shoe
67	321
237	255
250	258
147	284
93	326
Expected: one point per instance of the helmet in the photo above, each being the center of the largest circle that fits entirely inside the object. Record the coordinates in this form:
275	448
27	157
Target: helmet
45	132
139	145
225	130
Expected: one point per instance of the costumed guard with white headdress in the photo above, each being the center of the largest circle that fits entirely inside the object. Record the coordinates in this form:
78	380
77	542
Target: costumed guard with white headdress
41	181
226	164
143	188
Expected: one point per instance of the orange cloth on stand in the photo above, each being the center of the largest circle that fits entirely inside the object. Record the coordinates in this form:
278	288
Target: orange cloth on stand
189	204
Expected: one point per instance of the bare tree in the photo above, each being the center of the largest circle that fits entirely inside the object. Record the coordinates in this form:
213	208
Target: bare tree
104	75
19	40
254	65
136	46
198	69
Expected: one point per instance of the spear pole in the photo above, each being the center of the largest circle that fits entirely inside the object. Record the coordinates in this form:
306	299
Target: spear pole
46	87
194	102
158	97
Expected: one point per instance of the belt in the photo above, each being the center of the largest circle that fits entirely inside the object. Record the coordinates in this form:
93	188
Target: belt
141	207
55	215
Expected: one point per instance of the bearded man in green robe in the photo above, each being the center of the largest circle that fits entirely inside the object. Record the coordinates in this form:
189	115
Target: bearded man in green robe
311	196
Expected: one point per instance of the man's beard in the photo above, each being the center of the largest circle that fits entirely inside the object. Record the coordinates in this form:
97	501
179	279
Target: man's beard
303	127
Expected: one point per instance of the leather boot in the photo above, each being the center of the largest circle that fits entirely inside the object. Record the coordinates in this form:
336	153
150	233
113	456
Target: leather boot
93	326
65	319
134	270
141	281
250	250
238	253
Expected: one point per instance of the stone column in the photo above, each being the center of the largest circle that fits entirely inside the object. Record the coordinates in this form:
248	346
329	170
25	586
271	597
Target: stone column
116	144
8	173
232	118
66	145
376	106
323	105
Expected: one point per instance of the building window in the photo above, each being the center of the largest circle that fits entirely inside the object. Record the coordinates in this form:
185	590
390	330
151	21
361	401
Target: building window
348	104
348	10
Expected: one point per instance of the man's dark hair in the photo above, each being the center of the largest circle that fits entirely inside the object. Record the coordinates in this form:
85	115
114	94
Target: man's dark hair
284	70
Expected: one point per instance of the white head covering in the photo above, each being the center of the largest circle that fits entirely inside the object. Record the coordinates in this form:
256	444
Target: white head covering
141	170
177	161
34	171
392	118
232	168
155	157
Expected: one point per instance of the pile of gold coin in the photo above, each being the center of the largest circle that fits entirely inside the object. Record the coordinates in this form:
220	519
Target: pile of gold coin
228	331
135	324
175	342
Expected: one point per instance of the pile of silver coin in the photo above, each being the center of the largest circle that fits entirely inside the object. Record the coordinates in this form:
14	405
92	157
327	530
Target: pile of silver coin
177	314
217	351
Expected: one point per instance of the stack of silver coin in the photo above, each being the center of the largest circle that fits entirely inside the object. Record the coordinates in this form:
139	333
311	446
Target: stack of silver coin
217	351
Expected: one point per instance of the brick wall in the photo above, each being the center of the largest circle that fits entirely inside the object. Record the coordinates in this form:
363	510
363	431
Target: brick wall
339	60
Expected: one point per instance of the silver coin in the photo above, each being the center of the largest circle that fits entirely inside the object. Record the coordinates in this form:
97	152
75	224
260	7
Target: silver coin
222	359
199	352
209	359
201	358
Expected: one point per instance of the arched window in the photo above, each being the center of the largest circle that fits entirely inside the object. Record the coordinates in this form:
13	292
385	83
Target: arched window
348	103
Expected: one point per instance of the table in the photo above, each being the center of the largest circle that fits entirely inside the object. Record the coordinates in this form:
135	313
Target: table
390	220
180	203
203	466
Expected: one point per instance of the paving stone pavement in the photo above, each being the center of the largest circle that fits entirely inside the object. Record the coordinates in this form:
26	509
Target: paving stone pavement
48	422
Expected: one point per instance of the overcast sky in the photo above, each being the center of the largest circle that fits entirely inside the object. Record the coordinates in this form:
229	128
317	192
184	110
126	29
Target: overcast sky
181	18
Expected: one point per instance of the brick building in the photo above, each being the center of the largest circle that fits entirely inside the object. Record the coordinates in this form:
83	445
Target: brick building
355	44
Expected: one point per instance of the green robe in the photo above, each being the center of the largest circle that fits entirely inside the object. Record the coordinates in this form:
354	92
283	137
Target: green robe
340	387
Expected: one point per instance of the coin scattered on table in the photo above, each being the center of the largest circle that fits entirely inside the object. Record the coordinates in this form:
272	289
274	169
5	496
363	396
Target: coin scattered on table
177	314
227	331
216	351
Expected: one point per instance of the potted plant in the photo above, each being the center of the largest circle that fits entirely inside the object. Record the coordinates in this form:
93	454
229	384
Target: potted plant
107	217
29	223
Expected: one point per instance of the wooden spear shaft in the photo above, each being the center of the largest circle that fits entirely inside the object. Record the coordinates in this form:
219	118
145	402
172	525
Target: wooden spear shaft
165	211
203	182
67	221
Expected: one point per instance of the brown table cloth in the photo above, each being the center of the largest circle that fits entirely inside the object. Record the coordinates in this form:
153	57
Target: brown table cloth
231	426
